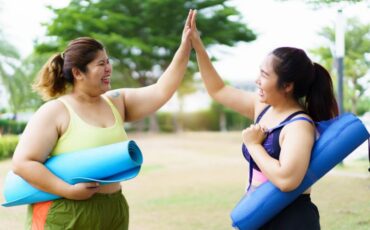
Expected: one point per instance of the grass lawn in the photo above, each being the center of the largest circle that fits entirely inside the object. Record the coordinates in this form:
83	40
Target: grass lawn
192	181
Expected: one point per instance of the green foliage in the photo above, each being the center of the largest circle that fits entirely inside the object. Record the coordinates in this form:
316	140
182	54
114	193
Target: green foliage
8	61
332	1
328	3
11	126
142	36
166	122
201	120
22	97
8	53
16	75
356	62
8	144
363	105
235	121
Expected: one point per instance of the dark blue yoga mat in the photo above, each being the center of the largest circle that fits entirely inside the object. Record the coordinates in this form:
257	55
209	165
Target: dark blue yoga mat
339	137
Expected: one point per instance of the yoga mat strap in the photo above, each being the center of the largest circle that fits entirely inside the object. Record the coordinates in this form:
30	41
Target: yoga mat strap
339	137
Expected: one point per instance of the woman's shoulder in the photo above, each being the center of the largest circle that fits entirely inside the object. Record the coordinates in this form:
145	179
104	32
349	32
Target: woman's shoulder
51	109
52	106
300	121
302	114
117	98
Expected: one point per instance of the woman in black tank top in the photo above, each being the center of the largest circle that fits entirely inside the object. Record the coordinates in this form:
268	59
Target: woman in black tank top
288	82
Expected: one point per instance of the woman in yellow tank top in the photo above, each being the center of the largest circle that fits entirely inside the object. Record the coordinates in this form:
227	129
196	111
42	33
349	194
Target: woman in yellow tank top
86	113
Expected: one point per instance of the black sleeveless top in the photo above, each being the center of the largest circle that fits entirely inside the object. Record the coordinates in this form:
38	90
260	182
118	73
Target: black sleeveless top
271	143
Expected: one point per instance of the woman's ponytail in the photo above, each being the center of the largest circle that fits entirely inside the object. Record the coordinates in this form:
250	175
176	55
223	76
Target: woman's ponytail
320	100
313	87
50	81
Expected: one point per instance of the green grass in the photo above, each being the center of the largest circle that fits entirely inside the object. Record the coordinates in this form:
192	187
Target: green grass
192	181
358	165
149	168
192	208
344	202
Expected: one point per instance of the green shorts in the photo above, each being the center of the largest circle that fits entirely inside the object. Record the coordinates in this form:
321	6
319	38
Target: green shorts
102	211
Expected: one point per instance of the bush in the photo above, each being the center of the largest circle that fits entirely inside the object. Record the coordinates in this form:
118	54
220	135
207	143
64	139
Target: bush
166	122
235	121
7	146
363	106
202	120
11	126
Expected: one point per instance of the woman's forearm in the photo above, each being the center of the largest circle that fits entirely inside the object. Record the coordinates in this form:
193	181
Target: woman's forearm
211	78
41	178
173	75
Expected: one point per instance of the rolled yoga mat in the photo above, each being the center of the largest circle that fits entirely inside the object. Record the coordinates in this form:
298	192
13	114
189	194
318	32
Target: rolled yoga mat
106	164
339	137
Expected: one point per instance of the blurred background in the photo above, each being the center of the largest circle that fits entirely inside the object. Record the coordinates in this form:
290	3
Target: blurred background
193	166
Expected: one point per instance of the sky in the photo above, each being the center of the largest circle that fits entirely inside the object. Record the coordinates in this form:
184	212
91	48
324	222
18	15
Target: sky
277	23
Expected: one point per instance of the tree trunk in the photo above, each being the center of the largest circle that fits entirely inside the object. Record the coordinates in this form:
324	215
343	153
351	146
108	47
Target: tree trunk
223	122
354	105
153	123
354	97
179	125
139	126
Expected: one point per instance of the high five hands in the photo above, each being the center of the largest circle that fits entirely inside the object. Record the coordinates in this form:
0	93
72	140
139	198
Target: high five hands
190	35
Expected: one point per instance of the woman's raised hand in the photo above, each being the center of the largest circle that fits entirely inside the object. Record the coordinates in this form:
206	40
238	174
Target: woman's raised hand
185	39
196	42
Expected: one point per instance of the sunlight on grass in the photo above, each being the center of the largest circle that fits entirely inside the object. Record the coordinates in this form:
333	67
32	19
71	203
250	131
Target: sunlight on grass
359	166
194	180
150	168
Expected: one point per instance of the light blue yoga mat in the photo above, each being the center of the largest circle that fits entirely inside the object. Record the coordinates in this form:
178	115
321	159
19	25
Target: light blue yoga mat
106	164
339	137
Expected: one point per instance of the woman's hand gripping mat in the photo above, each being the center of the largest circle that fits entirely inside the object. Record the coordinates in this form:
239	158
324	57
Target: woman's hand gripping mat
106	164
339	137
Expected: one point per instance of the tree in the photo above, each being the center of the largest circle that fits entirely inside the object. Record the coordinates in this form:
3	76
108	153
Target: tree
23	96
186	87
325	3
8	61
356	61
329	2
142	36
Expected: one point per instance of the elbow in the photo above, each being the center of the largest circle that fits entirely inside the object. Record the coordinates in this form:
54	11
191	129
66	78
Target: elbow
287	185
212	95
215	93
16	168
165	94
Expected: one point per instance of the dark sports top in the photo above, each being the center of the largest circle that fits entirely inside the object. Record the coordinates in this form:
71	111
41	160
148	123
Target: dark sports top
271	143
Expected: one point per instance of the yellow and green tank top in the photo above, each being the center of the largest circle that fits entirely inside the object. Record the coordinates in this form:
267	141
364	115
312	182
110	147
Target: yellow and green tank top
81	135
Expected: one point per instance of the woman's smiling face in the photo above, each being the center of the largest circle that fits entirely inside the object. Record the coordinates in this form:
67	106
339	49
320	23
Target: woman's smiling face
266	82
99	72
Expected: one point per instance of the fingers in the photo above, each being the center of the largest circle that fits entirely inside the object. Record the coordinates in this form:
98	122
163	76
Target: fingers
187	27
193	24
92	185
188	19
256	127
82	191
